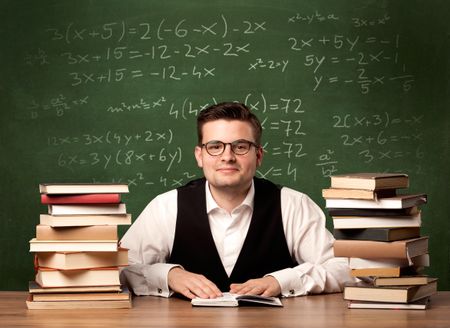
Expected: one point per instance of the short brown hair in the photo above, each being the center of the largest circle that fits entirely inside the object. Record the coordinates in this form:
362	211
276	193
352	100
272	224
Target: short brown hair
228	111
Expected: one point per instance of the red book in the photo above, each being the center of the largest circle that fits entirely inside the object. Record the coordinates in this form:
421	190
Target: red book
81	199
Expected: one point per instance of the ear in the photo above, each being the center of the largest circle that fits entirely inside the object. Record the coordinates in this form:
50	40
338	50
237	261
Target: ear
259	156
198	156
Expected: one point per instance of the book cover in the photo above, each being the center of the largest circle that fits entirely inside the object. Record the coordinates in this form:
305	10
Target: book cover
124	294
402	280
373	211
82	188
77	278
73	245
390	294
229	299
377	234
34	288
84	220
360	222
98	232
403	249
80	199
370	181
66	305
82	260
399	201
86	209
362	263
388	271
421	304
357	193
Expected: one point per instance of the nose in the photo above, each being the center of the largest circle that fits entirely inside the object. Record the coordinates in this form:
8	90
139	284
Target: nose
228	153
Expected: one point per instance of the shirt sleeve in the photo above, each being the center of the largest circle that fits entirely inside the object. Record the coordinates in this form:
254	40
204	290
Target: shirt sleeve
149	241
311	244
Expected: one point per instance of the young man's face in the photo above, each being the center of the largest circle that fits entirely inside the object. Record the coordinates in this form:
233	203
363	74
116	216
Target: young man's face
228	171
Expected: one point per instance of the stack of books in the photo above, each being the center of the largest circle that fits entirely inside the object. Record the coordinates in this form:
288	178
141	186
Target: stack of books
77	256
378	230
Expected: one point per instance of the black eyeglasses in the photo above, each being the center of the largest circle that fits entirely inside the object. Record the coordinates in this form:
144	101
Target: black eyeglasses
239	147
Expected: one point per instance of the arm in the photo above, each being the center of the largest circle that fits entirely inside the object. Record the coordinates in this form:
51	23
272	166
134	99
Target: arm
311	244
150	241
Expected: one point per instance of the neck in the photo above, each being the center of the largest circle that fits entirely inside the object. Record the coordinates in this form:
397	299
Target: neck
229	198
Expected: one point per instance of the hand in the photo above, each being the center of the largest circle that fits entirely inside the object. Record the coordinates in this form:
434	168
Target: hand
266	286
191	284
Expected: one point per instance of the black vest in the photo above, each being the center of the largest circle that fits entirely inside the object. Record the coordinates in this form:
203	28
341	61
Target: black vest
264	250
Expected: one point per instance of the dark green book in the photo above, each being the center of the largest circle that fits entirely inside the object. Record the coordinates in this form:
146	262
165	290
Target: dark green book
377	234
372	211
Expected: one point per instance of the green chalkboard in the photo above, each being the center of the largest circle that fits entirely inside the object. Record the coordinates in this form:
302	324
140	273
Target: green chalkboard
109	90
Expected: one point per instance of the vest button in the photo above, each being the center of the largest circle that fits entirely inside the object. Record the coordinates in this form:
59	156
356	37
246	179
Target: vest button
292	292
159	290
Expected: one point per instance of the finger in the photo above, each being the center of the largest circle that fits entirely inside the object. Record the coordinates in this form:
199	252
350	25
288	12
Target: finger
204	288
213	289
186	292
235	288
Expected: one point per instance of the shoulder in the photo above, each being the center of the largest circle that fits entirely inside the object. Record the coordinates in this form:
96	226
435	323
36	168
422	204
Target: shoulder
161	203
297	201
293	195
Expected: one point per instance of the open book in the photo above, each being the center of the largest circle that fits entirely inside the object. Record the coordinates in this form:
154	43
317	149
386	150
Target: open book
229	299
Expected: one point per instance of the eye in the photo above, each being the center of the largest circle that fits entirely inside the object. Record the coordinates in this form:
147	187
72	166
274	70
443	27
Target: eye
241	146
214	146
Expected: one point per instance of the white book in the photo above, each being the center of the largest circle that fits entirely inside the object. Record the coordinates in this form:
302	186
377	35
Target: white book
229	299
84	220
361	222
396	202
73	245
361	263
82	188
87	209
417	305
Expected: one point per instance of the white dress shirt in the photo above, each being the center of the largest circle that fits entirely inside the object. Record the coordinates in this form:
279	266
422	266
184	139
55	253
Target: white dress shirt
150	240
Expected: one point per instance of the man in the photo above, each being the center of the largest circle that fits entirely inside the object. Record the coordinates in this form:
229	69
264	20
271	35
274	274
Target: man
231	231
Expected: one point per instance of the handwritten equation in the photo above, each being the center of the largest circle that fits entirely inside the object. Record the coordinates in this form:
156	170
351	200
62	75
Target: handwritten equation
161	30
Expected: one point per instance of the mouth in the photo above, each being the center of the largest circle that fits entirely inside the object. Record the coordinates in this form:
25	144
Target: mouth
227	169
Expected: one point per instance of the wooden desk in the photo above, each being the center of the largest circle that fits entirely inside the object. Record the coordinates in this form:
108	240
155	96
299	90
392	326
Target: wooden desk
310	311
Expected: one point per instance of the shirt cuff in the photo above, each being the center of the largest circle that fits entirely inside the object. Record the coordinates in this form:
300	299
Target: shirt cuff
148	279
291	282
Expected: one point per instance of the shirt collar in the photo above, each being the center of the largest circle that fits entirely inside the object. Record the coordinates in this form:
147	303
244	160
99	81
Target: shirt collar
212	205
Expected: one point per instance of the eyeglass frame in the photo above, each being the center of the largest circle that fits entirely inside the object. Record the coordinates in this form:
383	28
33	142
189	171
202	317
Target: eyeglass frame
251	143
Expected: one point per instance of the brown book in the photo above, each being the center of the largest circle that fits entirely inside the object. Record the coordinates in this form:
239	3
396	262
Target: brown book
400	294
73	245
63	305
404	249
384	272
82	188
82	260
357	193
402	280
64	297
370	181
84	220
34	288
77	278
99	232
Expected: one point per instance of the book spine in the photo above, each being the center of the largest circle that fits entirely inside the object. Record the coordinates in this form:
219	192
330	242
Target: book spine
369	249
80	199
362	234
